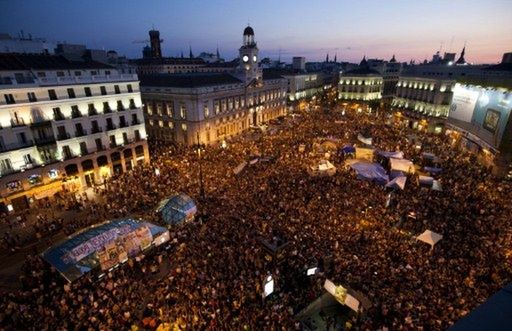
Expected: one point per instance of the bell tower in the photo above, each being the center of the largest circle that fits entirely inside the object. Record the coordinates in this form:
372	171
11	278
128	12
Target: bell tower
249	57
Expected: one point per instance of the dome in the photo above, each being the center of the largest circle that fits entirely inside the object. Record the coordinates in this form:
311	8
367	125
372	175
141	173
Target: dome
177	209
248	31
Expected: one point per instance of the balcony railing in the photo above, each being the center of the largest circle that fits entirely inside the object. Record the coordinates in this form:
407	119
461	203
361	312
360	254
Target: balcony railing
123	125
76	114
45	140
135	122
96	130
63	136
92	112
10	147
107	110
80	133
16	123
111	127
59	117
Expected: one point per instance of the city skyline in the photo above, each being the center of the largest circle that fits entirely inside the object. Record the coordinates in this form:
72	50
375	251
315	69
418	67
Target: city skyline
291	29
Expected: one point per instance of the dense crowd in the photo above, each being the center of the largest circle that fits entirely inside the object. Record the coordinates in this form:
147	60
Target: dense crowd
212	275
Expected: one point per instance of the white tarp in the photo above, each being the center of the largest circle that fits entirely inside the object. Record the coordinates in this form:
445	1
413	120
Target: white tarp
397	182
402	165
324	168
364	140
429	237
239	168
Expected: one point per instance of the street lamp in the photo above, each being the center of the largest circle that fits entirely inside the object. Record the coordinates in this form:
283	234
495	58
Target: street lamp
201	186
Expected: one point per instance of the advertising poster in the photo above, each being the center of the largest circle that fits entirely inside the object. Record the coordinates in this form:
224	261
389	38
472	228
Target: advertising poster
491	120
463	103
131	244
144	236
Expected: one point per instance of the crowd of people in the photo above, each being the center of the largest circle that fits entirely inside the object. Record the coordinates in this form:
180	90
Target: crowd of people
211	277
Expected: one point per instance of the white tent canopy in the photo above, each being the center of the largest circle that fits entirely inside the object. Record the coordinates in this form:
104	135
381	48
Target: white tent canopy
402	165
239	168
397	182
429	237
324	168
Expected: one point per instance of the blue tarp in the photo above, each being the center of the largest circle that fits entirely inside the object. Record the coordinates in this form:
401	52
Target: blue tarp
396	155
433	170
177	209
395	173
348	149
96	235
494	314
370	171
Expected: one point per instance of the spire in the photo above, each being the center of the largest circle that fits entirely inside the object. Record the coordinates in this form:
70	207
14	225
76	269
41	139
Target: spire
182	54
190	55
393	60
218	54
335	57
363	61
279	58
327	58
461	59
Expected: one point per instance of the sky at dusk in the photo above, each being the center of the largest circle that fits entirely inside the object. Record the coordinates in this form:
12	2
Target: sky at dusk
377	28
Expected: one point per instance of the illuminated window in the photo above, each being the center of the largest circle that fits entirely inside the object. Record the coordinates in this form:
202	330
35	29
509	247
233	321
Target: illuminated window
183	111
171	125
184	126
206	110
151	122
216	105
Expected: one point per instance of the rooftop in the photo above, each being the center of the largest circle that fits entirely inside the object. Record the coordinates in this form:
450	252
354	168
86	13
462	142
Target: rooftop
169	61
15	61
188	80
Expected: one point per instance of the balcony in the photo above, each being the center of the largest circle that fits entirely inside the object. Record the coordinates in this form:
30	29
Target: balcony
132	105
45	141
47	81
92	112
68	156
17	123
113	145
101	148
135	122
63	136
123	125
80	133
111	127
107	110
76	114
59	117
12	147
96	130
120	108
41	124
84	151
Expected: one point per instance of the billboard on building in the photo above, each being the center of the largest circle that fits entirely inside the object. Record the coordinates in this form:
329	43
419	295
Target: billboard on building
489	109
463	103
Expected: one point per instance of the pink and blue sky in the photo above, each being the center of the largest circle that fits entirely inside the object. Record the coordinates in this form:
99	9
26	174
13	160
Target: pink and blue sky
378	28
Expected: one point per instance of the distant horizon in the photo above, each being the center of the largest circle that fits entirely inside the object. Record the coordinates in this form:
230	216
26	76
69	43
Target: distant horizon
410	31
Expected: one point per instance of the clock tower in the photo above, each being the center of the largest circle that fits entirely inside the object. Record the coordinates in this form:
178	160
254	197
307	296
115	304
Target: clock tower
249	67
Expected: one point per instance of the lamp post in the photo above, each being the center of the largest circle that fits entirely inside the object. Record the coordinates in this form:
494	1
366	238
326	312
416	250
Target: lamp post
201	187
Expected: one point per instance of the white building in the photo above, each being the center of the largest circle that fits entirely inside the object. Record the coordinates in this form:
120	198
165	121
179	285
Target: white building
65	125
213	106
9	44
363	84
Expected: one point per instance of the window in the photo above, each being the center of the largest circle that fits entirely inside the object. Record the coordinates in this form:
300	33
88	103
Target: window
83	148
91	110
71	93
41	74
125	138
206	110
87	91
135	120
22	138
137	135
161	123
52	95
216	106
116	89
122	122
184	126
183	111
103	90
120	106
57	114
31	97
106	107
129	88
9	99
79	130
75	112
5	166
113	141
132	104
94	127
110	125
99	144
60	73
66	152
107	72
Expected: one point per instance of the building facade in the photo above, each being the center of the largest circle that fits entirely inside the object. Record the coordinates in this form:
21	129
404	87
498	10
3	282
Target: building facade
424	98
211	107
65	125
361	84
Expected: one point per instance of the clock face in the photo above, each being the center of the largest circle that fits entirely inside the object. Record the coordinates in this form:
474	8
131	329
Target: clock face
245	58
254	58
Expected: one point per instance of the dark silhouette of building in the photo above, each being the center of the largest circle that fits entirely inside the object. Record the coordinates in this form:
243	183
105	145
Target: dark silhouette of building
154	38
